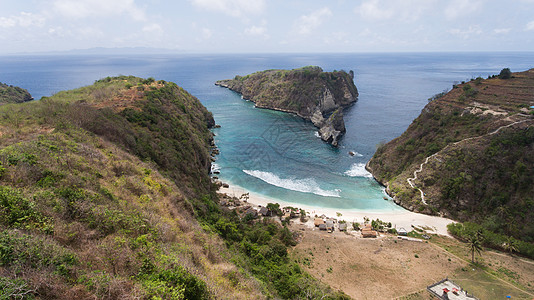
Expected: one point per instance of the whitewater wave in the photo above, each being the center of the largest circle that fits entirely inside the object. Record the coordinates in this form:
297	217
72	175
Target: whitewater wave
358	170
357	154
307	185
317	134
215	168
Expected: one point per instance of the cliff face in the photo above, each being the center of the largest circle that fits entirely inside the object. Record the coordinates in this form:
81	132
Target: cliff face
13	94
308	92
468	156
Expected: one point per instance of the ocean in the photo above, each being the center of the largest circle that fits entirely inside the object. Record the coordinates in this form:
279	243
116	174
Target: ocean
275	154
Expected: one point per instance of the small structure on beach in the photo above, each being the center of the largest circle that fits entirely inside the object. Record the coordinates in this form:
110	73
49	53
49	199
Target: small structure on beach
329	225
264	211
342	226
322	226
402	231
318	221
447	289
368	232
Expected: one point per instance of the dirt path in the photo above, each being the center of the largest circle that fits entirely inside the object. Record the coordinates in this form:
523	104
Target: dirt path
411	180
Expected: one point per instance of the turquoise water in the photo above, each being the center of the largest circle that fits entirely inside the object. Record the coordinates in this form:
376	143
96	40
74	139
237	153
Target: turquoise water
277	154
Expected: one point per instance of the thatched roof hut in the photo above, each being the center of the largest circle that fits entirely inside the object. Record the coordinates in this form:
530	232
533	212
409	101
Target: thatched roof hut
318	221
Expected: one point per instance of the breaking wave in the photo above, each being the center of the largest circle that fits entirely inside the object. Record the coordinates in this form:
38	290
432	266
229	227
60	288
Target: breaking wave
358	170
307	185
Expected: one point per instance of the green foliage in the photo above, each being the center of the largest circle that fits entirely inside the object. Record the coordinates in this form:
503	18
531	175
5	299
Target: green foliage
172	283
15	289
466	231
261	247
18	250
13	94
18	212
505	74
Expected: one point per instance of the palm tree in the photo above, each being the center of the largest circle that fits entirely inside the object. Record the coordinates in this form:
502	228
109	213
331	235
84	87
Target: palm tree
510	245
475	246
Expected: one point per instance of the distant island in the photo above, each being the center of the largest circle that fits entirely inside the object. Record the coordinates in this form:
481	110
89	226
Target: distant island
469	157
13	94
307	92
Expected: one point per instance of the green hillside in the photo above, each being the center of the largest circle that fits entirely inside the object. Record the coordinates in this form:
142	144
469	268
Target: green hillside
105	193
13	94
469	157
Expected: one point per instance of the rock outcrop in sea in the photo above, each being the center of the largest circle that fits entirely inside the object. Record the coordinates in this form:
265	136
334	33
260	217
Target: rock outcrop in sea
307	92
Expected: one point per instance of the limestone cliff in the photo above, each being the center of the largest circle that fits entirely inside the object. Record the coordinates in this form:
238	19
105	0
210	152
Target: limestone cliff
307	92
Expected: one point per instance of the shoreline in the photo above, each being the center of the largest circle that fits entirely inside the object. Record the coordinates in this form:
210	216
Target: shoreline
403	218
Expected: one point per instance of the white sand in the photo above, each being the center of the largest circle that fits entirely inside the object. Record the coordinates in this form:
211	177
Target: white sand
401	218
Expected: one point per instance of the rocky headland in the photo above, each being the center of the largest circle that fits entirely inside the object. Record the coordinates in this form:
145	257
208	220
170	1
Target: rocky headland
13	94
308	92
468	156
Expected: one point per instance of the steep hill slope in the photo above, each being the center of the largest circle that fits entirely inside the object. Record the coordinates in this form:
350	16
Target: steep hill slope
13	94
308	92
469	156
89	201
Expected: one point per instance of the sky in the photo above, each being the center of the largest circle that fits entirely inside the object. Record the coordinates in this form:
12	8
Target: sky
268	26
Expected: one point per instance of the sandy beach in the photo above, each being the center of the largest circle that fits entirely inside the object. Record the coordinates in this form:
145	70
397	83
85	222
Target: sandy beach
398	219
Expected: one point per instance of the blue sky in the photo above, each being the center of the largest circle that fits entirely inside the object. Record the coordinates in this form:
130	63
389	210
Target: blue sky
235	26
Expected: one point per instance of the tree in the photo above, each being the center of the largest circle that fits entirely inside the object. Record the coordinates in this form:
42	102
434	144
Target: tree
510	245
475	246
505	74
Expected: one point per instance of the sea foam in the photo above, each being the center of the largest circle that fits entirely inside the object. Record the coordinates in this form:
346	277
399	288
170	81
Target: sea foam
358	170
215	168
307	185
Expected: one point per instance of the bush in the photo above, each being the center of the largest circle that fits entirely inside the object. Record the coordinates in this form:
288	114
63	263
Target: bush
505	74
18	212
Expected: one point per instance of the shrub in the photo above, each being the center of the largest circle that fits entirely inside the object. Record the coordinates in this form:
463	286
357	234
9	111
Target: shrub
505	74
18	212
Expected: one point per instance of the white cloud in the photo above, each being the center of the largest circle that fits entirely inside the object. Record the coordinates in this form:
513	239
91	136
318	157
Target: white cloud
98	8
502	30
153	28
206	33
24	19
372	10
459	8
530	26
406	10
307	23
466	33
256	31
234	8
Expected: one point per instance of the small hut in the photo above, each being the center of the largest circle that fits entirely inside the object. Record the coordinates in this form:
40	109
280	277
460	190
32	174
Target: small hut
264	211
402	231
368	232
322	226
318	221
330	225
342	226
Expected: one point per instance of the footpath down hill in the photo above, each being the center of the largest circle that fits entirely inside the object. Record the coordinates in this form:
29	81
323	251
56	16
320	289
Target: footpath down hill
469	156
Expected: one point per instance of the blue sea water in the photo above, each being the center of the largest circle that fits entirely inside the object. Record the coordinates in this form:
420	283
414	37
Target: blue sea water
277	154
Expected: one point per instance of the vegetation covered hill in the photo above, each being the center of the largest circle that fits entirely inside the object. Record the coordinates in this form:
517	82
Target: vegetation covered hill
308	92
13	94
468	156
105	193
